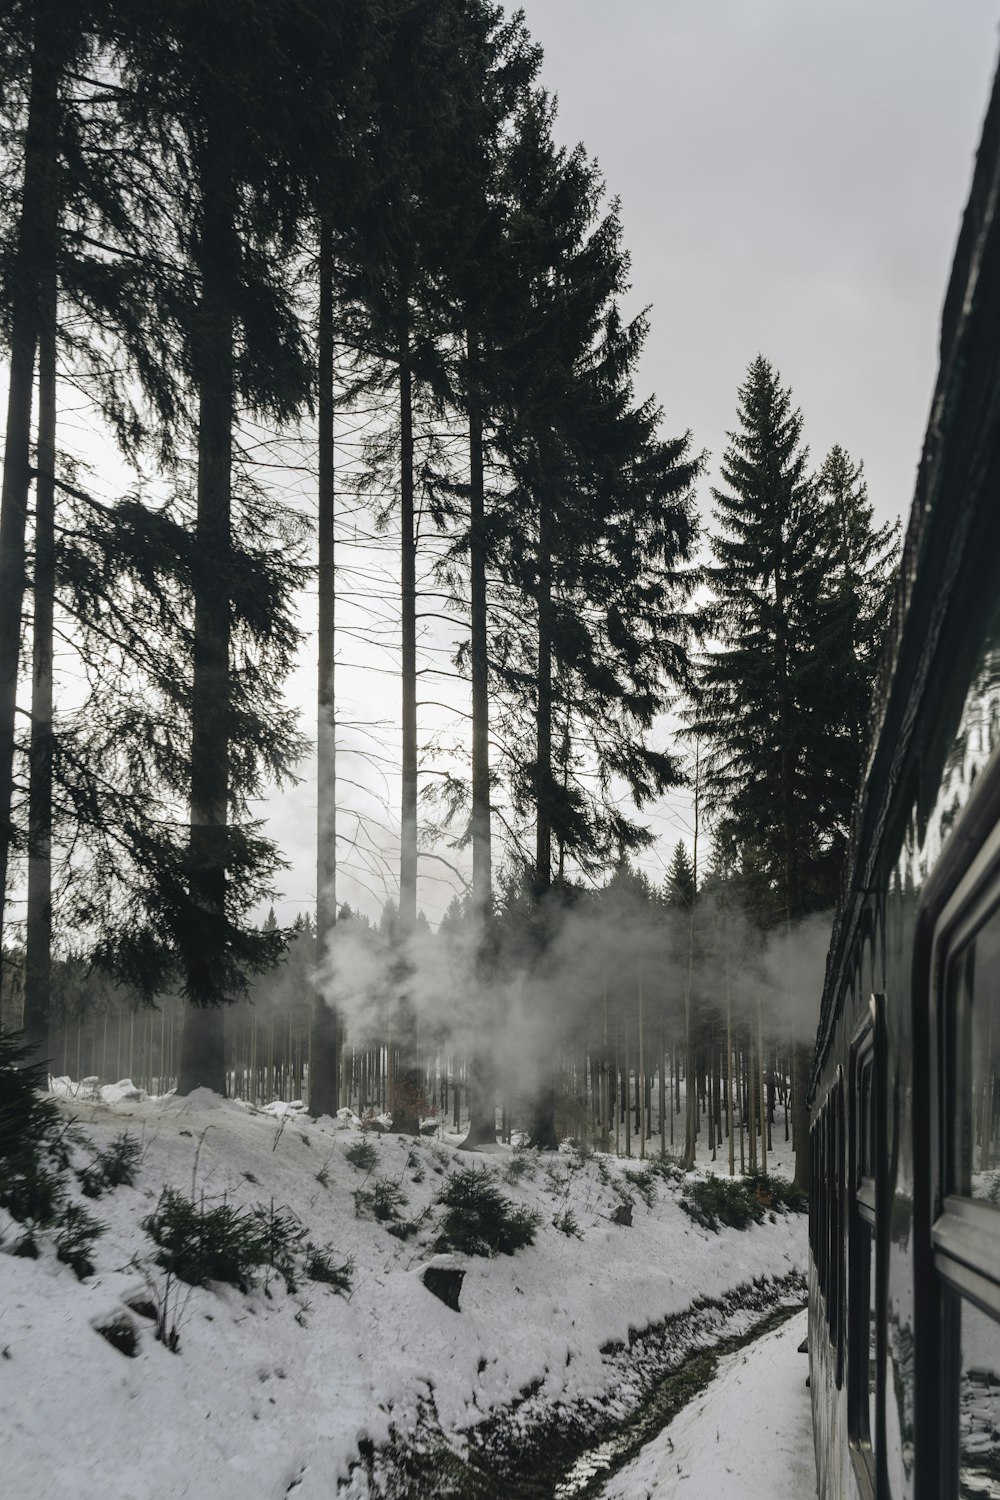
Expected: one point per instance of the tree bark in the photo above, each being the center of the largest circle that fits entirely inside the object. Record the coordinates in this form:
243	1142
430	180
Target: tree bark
203	1046
324	1071
691	1084
545	1135
482	1093
38	927
408	632
800	1116
35	253
406	1094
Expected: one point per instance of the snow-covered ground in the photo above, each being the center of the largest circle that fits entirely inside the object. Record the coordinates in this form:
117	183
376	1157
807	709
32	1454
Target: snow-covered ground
275	1392
749	1432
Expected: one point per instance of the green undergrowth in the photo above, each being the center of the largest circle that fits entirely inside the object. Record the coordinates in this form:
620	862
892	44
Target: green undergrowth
738	1202
38	1150
200	1241
478	1219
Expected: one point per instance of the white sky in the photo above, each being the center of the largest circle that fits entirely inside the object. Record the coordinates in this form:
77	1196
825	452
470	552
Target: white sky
792	177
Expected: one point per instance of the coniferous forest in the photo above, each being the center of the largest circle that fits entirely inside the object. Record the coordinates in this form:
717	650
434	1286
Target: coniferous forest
318	281
444	612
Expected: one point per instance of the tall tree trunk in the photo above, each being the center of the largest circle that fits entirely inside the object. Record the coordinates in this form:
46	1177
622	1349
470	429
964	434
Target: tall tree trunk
762	1084
543	716
408	632
34	262
729	1078
324	1068
545	1135
800	1114
203	1042
691	1085
641	1078
406	1093
38	928
482	1093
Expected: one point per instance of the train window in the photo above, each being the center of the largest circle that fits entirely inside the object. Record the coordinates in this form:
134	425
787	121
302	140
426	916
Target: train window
975	1011
813	1196
835	1287
824	1202
862	1255
967	1232
979	1404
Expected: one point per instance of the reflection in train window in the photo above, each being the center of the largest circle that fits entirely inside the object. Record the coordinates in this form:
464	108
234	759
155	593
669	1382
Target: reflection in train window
967	1233
837	1237
976	991
872	1333
862	1365
979	1404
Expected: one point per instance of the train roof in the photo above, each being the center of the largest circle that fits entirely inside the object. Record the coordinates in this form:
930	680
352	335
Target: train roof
958	481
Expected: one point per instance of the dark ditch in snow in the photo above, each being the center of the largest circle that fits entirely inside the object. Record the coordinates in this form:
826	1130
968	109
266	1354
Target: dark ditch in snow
537	1450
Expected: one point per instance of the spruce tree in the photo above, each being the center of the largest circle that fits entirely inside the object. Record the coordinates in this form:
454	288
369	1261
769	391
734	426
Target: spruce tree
797	576
678	888
209	91
848	626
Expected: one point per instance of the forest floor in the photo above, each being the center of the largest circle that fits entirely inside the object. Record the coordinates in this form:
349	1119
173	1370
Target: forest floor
555	1378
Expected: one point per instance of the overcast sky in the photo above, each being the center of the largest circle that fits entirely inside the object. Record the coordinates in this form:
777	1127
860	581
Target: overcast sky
792	175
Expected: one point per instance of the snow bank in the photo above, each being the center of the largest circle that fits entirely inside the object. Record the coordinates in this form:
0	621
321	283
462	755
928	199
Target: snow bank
271	1392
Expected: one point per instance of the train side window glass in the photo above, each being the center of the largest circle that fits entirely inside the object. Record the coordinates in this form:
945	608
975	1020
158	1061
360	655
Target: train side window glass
975	988
824	1202
862	1363
978	1404
968	1231
872	1352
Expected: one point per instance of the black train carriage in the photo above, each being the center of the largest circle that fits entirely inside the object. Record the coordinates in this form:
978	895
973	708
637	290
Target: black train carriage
905	1089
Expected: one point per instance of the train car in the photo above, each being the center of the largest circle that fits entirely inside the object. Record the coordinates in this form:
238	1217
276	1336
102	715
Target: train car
904	1093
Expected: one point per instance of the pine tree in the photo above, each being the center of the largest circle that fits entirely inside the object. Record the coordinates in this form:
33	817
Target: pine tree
848	626
763	580
216	107
783	695
678	888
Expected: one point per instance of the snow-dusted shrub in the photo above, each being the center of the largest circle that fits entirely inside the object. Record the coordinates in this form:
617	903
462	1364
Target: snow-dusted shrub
36	1149
776	1192
479	1220
523	1163
714	1201
282	1235
641	1179
78	1231
667	1167
199	1242
30	1186
382	1200
321	1265
113	1167
566	1223
362	1154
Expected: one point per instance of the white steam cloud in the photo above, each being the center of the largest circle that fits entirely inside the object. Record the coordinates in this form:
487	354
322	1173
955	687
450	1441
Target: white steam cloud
541	1001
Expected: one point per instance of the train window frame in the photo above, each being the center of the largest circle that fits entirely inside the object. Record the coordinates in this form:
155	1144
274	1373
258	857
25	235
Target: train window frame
823	1206
866	1131
964	1231
837	1284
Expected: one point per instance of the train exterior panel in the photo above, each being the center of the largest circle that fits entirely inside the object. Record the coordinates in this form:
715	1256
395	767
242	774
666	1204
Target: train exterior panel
905	1087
